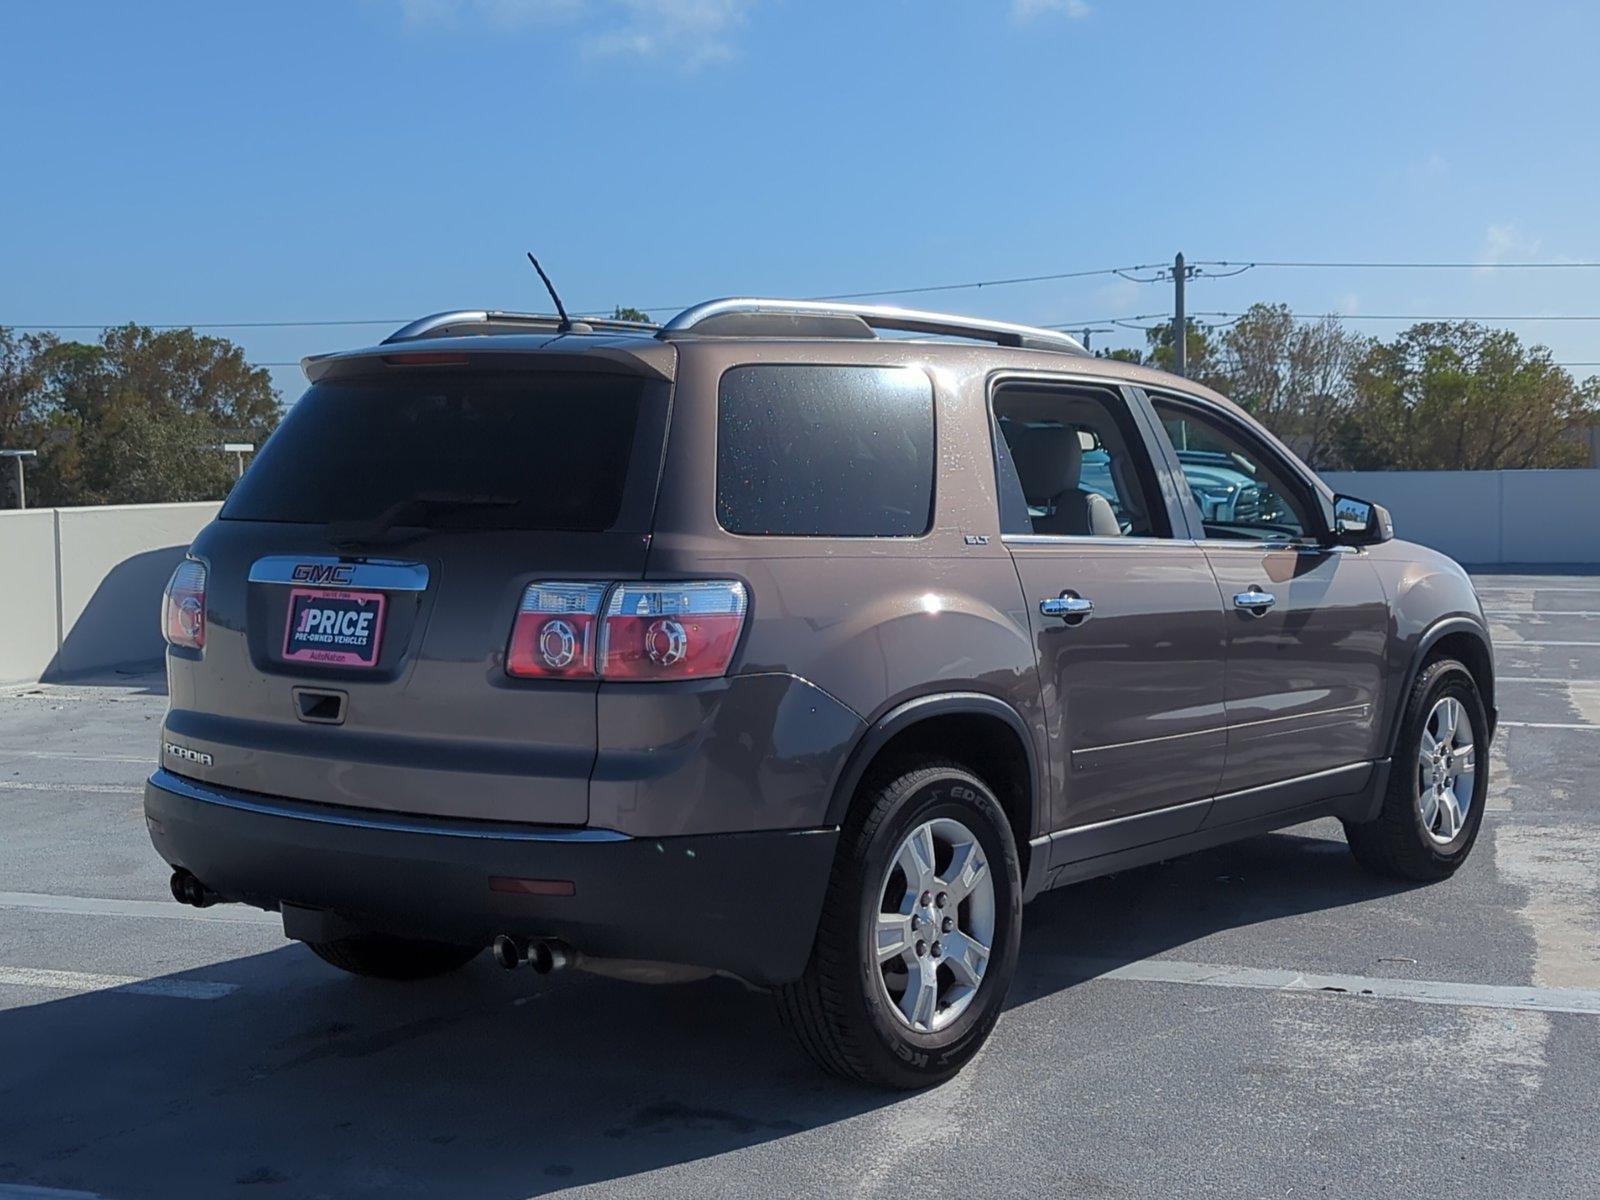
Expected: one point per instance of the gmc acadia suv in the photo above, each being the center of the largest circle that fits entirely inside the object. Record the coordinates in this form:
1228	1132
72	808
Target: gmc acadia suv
763	644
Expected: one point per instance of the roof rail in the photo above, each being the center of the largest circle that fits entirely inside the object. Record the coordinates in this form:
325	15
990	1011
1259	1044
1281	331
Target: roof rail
478	320
747	317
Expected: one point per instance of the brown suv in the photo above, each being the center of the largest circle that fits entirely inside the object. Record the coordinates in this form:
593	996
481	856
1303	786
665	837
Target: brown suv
763	644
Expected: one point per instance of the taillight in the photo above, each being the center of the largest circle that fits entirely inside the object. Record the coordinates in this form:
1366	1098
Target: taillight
554	634
671	630
183	608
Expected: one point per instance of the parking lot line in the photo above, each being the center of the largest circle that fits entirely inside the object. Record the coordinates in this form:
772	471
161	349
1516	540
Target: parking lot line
1546	679
1531	642
1551	612
116	789
167	910
1584	1001
69	756
1547	725
81	981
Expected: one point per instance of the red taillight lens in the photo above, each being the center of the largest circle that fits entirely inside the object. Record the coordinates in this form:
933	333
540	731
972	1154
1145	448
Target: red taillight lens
183	608
555	631
671	631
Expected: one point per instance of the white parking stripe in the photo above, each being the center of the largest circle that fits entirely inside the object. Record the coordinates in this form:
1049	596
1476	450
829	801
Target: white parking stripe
22	1191
1547	679
110	789
91	906
68	756
1531	642
1547	725
1585	1001
1524	612
81	981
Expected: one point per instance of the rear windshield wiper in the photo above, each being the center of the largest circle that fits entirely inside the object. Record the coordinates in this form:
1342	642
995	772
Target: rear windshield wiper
403	521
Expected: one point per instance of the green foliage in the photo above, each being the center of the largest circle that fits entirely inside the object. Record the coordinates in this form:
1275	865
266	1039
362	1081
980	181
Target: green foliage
623	313
134	418
1458	396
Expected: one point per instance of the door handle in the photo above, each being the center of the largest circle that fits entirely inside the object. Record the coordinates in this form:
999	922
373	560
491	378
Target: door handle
1068	607
1255	601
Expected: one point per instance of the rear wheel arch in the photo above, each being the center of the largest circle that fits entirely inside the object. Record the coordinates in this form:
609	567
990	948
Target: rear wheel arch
980	732
1460	638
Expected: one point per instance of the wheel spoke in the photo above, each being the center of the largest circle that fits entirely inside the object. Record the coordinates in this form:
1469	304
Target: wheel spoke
916	859
921	998
894	938
966	957
1428	747
1449	715
966	870
1430	806
1449	815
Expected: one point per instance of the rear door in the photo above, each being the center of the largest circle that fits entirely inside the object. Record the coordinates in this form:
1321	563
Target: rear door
365	574
1307	621
1126	618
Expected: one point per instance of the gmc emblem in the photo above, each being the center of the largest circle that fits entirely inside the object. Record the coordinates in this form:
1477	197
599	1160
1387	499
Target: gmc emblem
323	572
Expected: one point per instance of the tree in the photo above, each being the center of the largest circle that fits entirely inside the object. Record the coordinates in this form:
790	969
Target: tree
623	313
1295	378
1202	353
1458	396
134	418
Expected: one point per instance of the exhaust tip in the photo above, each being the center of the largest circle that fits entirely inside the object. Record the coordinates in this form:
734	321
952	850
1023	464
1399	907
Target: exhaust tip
186	889
510	952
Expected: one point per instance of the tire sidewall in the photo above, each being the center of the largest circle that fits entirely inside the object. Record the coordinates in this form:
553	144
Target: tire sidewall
1446	678
907	1052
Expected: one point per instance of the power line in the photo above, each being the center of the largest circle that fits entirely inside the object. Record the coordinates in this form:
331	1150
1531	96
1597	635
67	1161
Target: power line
1400	266
220	324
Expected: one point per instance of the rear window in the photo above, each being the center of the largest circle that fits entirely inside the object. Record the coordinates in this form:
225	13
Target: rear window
517	450
825	451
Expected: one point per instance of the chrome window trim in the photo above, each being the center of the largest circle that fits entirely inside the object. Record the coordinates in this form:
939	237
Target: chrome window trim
296	810
1078	539
383	574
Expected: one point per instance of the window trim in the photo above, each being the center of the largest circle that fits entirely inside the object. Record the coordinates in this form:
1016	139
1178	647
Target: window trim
1155	454
1318	539
716	454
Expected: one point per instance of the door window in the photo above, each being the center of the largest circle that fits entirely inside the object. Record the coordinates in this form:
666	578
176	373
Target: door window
1070	463
1243	492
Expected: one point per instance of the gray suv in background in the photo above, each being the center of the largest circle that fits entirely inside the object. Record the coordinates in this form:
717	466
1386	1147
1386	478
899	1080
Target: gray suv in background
762	643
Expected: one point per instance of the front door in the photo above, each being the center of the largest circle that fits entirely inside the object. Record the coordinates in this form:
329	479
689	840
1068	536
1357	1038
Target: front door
1307	622
1127	621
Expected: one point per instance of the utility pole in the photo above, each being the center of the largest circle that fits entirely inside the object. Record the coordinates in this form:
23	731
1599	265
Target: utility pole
1086	333
22	488
1180	327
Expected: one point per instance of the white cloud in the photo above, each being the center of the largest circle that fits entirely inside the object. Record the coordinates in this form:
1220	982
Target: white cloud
689	32
1507	243
1027	10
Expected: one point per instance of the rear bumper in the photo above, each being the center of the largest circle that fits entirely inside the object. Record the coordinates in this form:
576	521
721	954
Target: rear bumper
690	900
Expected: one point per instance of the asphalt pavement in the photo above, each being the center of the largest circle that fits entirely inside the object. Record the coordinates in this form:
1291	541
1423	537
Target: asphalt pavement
1258	1020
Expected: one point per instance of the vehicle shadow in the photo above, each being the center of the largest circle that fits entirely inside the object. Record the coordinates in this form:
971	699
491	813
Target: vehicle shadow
499	1085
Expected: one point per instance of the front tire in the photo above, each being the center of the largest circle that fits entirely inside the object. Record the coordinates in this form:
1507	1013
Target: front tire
1438	782
919	932
380	956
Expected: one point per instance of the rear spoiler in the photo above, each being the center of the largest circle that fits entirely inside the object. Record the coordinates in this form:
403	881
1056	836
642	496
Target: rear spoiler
647	358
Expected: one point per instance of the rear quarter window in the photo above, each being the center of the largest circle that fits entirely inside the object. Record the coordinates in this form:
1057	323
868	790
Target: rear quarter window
825	451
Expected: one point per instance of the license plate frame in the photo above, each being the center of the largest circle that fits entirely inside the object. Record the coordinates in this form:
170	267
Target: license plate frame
333	642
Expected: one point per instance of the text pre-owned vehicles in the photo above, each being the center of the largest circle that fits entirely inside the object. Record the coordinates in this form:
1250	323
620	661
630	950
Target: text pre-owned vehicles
763	644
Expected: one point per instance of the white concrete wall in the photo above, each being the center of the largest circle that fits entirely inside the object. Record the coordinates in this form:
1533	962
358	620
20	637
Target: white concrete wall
80	588
30	631
1488	517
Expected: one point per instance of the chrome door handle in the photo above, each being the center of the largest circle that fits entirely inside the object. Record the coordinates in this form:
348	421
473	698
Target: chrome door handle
1066	606
1255	601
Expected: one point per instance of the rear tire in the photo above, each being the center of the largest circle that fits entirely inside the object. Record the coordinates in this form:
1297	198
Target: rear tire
1433	806
380	956
914	1012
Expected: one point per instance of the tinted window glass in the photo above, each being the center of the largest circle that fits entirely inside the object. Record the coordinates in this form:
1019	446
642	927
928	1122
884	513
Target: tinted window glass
1071	463
450	451
1240	490
826	451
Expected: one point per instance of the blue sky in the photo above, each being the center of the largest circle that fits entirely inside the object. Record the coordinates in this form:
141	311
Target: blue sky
177	162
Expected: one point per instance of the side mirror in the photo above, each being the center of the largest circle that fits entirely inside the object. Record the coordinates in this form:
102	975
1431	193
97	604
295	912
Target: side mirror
1360	522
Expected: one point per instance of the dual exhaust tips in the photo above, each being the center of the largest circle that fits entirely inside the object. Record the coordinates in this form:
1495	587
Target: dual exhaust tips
544	955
